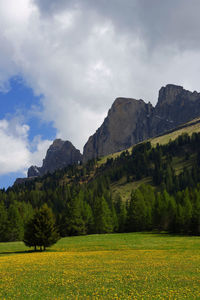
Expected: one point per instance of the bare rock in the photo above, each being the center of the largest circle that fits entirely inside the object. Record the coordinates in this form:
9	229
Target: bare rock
130	121
59	155
127	123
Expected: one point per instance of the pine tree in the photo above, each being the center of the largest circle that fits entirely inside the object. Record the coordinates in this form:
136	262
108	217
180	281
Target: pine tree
187	211
137	212
3	223
195	224
40	230
179	220
171	210
121	212
102	216
15	223
74	223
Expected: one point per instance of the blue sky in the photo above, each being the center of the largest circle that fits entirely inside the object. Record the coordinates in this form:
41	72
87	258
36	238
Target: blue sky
20	102
63	63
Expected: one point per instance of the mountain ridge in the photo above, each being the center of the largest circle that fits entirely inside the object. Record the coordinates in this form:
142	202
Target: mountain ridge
59	155
130	121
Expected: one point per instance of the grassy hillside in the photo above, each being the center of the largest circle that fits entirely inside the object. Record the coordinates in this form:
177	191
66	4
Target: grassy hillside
124	189
189	128
121	195
115	266
63	177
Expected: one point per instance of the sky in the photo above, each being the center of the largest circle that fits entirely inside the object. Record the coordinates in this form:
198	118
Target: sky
63	63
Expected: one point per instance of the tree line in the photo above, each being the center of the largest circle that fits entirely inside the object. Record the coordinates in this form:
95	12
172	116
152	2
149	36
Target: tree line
86	205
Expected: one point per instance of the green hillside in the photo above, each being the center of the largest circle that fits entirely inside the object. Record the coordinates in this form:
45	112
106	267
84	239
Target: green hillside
151	186
189	128
179	163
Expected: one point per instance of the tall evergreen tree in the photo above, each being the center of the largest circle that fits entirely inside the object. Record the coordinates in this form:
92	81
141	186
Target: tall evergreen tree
74	223
137	212
195	222
15	223
41	230
3	223
102	216
121	212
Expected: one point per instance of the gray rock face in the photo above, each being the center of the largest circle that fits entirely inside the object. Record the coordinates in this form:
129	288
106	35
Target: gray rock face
33	171
59	155
130	121
175	106
126	124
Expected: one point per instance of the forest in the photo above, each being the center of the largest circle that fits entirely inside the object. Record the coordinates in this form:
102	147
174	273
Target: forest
82	201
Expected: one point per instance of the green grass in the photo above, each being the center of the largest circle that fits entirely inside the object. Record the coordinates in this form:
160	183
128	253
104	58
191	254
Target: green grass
165	138
124	188
110	266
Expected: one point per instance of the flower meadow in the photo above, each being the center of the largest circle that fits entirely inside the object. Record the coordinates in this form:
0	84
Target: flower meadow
117	266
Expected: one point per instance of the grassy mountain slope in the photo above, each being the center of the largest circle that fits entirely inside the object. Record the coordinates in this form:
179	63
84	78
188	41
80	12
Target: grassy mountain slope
149	187
88	173
189	128
124	188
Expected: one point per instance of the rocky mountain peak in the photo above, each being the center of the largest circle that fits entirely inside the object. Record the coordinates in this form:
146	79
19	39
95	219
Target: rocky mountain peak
122	103
169	93
59	155
130	121
57	143
122	127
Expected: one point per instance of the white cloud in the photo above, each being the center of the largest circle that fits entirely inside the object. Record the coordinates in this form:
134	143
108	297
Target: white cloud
81	55
40	148
15	151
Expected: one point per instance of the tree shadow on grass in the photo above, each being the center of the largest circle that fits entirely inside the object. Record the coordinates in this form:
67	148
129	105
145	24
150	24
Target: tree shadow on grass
24	252
16	252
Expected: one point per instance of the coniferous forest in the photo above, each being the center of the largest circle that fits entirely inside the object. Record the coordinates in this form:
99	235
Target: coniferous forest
82	200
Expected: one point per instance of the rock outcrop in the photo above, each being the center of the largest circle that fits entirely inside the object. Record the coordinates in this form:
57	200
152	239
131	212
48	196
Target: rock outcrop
59	155
126	124
130	121
175	106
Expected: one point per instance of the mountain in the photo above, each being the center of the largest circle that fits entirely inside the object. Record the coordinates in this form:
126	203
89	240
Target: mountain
150	186
127	123
175	106
130	121
59	155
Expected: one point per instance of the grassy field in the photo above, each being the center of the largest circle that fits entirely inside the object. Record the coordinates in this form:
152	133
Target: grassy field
115	266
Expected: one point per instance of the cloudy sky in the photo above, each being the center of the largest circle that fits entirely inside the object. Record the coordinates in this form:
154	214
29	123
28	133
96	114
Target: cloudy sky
63	62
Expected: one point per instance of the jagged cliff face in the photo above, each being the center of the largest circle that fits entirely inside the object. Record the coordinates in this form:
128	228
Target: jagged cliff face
126	124
130	121
59	155
175	106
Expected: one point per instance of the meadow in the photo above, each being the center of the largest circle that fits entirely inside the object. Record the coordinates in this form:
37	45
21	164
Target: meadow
110	266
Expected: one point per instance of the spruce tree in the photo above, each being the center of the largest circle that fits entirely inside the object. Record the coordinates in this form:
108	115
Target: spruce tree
15	223
121	212
74	223
187	211
3	223
195	224
102	216
137	212
41	230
